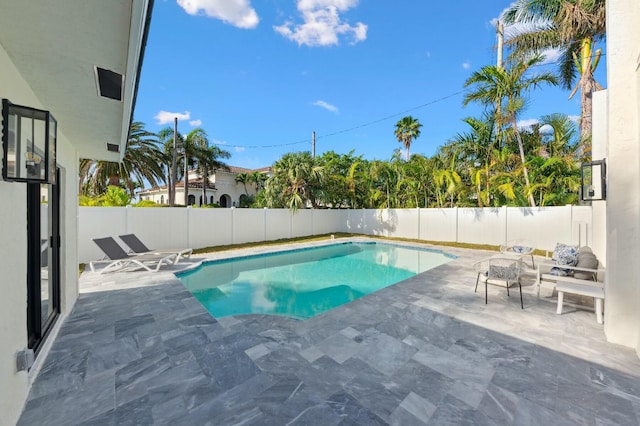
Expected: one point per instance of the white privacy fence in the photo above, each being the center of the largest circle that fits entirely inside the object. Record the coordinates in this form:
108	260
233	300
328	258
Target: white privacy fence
188	227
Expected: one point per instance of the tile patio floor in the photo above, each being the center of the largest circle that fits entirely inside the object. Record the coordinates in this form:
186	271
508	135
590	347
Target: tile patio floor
139	349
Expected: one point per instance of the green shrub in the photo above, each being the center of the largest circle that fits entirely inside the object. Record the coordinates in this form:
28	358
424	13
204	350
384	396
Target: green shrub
146	203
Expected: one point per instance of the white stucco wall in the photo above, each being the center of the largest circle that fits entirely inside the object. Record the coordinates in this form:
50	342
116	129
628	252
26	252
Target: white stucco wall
225	184
622	305
13	253
599	152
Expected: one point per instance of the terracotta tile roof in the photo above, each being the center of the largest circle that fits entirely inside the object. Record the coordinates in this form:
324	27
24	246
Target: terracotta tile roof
193	184
197	183
264	169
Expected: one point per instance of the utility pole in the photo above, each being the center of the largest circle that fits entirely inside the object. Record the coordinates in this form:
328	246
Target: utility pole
313	144
174	169
500	34
186	176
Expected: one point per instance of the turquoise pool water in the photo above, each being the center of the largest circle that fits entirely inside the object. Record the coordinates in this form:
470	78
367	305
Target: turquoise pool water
306	282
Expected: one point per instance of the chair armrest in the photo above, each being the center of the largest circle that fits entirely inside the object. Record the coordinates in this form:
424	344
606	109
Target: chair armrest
543	269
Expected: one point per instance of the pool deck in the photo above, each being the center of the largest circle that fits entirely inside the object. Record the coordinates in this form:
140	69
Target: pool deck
138	348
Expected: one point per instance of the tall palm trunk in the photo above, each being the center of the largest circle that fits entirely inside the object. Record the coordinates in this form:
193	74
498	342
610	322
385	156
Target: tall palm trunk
186	186
514	124
586	100
205	182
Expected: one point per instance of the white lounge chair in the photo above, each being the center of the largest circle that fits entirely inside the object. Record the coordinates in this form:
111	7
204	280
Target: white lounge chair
117	258
138	247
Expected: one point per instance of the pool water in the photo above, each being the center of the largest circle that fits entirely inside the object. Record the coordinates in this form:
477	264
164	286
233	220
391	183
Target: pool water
306	282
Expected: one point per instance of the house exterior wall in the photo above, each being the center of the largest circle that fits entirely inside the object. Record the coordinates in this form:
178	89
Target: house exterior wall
225	185
622	305
599	152
13	253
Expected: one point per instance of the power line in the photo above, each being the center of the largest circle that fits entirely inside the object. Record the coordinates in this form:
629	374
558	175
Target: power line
388	117
379	120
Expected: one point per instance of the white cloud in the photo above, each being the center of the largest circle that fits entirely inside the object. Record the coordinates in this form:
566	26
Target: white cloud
551	56
217	142
574	118
466	65
322	24
239	149
195	123
428	54
526	124
523	124
326	105
165	117
238	13
545	128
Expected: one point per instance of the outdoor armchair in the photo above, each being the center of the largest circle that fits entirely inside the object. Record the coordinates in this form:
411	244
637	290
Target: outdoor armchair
117	258
499	268
519	248
138	247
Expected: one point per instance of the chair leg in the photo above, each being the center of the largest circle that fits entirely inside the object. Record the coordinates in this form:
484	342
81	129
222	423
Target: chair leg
508	289
599	310
521	302
477	280
486	297
533	262
560	299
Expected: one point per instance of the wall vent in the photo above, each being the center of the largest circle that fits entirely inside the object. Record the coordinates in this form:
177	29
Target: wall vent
112	147
109	83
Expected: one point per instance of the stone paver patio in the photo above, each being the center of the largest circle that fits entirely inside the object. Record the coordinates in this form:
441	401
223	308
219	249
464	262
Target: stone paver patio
140	349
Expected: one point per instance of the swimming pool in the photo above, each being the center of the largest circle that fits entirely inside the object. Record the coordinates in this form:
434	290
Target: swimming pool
305	282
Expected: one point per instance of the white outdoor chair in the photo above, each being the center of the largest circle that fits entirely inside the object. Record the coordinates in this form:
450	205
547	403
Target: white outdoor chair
519	248
498	268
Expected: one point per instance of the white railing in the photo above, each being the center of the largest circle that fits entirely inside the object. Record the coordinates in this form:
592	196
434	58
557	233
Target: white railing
197	228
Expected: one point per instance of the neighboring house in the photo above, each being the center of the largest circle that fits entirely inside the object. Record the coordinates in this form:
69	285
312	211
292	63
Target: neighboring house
81	62
222	189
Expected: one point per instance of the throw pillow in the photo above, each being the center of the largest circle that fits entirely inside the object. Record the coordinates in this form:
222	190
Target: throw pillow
589	261
521	249
564	254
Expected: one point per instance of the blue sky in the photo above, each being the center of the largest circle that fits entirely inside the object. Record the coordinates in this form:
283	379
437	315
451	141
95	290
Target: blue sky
261	75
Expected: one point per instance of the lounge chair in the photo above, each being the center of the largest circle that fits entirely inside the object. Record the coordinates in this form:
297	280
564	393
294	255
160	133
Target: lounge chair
117	258
139	247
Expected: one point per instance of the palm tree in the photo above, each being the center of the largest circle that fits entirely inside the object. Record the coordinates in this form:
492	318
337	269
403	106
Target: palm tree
142	161
243	178
195	139
258	179
296	180
561	142
476	147
165	137
495	85
407	129
207	162
574	26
